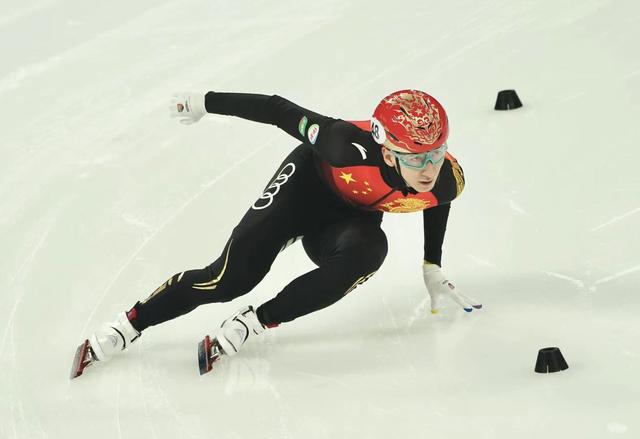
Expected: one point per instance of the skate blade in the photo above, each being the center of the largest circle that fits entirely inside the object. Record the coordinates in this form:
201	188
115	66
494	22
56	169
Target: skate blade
208	353
80	360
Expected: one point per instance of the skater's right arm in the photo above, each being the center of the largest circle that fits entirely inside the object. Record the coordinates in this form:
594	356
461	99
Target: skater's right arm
325	135
274	110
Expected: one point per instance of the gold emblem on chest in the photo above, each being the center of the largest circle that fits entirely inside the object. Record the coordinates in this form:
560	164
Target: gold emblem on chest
405	205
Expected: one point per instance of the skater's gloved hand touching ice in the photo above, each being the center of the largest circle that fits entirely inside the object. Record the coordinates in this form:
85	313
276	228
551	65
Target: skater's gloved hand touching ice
187	107
439	286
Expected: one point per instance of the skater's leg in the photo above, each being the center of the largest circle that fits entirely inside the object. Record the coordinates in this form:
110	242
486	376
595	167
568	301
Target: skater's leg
272	220
243	263
347	254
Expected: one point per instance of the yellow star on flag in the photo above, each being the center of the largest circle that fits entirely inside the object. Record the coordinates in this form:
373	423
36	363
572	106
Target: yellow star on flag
347	177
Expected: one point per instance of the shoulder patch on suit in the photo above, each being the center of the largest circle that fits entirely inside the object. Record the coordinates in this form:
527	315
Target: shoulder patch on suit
458	174
312	134
302	125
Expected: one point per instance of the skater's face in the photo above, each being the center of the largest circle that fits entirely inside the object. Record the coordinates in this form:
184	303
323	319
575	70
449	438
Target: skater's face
421	180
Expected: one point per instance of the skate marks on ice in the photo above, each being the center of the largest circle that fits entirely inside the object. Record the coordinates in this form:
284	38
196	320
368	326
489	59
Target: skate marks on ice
241	374
568	98
314	379
138	403
20	273
618	275
615	219
617	427
168	393
611	222
481	262
15	78
517	208
399	335
10	18
152	377
149	229
631	74
576	282
591	287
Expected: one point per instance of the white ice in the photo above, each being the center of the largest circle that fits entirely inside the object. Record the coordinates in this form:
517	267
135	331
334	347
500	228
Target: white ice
103	197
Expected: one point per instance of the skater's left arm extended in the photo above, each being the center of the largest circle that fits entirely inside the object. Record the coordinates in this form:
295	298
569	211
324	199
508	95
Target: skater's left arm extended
438	285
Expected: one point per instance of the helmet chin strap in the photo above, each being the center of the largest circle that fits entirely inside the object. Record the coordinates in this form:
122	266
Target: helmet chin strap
399	171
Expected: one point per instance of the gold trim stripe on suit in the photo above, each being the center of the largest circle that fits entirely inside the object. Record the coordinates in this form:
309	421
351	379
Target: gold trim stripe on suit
360	281
212	284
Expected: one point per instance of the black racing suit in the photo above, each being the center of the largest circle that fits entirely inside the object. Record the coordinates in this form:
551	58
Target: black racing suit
343	240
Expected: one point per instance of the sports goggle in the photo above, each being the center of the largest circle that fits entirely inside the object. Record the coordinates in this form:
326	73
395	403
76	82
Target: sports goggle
420	161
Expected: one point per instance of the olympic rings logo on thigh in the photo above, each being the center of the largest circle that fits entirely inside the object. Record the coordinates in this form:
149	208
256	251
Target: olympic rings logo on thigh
283	176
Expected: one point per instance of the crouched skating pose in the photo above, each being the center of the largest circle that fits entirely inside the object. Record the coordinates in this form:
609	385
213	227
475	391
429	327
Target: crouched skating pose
331	192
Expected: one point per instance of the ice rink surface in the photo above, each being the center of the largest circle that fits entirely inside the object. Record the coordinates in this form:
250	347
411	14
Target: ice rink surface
103	197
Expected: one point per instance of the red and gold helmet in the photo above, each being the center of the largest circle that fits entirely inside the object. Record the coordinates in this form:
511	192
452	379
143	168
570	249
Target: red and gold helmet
410	121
